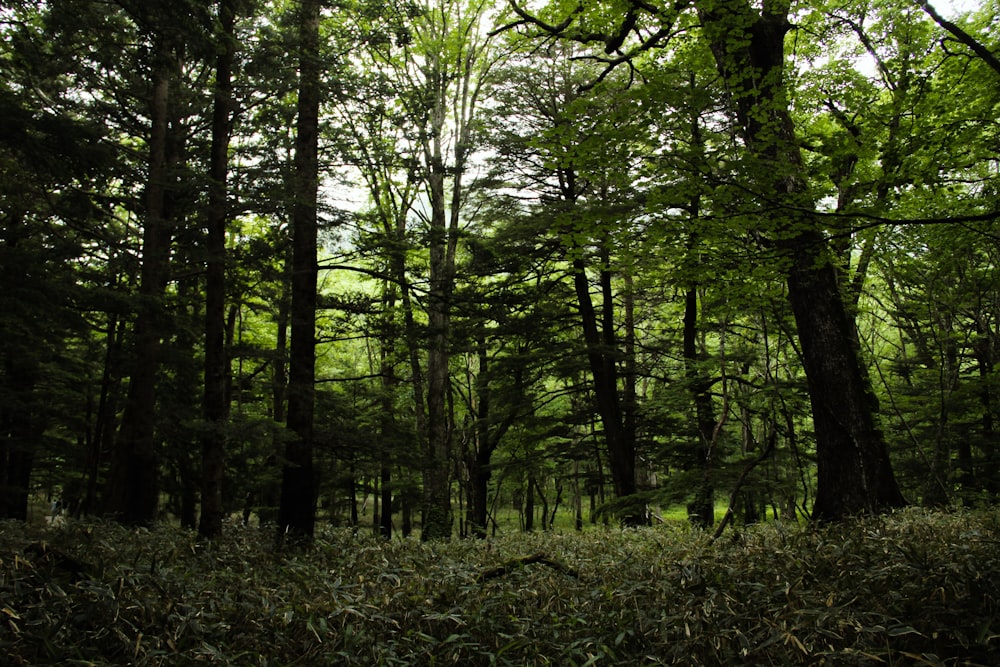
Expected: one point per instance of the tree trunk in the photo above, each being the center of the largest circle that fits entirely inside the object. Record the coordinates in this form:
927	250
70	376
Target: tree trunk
107	407
701	511
853	468
19	437
215	403
133	483
600	354
529	505
388	436
297	509
437	519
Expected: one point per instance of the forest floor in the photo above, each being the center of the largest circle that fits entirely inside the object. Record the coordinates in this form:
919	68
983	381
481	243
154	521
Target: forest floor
913	588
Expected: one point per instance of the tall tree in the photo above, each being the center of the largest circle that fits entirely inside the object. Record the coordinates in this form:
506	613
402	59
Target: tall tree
571	145
853	467
215	402
133	482
437	76
297	511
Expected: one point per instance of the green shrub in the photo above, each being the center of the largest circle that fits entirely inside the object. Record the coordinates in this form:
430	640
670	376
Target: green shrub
912	588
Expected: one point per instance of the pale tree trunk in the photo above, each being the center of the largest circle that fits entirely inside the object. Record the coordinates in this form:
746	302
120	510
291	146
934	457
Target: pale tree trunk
452	81
437	519
853	468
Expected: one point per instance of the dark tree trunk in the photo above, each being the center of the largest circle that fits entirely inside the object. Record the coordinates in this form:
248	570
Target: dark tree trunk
701	511
215	402
19	436
984	355
387	427
437	519
487	439
601	348
853	469
385	487
133	482
482	446
297	509
529	506
107	407
854	472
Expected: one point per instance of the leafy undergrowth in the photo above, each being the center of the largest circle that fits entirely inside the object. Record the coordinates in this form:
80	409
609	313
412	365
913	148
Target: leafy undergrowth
915	588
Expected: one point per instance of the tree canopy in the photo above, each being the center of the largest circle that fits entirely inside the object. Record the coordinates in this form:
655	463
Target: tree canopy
462	265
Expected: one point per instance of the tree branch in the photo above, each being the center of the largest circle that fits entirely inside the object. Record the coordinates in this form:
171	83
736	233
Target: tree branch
965	38
518	563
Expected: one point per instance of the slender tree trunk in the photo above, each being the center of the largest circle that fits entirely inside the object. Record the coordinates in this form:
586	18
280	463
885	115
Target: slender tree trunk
387	426
600	354
984	356
107	407
529	505
853	468
297	511
701	511
133	482
480	471
215	403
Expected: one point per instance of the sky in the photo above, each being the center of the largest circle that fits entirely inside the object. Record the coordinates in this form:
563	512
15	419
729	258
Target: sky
951	8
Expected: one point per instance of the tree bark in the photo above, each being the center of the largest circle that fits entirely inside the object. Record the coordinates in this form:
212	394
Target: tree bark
19	435
215	402
701	511
853	468
133	482
601	346
297	509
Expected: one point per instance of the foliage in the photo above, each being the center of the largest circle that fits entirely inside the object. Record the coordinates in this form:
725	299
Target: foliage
487	195
915	587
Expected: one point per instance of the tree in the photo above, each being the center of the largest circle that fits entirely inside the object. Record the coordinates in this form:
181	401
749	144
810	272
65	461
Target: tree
854	471
437	76
297	512
133	482
573	151
216	390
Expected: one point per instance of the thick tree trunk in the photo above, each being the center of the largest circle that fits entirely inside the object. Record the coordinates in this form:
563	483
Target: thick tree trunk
437	519
853	469
133	482
297	511
215	403
19	437
443	237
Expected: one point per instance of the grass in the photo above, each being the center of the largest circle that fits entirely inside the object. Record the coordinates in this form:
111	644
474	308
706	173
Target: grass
914	588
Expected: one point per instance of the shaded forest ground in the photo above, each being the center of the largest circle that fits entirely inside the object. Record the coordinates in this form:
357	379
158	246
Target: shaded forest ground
916	587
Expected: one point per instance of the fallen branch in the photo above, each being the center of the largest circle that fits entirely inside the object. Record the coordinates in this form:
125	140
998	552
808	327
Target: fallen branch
518	563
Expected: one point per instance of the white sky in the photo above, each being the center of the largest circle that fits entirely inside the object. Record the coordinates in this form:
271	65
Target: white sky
952	8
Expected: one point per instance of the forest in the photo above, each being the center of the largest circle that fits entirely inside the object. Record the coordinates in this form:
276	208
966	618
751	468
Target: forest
459	267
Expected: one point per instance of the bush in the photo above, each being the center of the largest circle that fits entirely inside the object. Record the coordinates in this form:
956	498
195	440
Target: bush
912	588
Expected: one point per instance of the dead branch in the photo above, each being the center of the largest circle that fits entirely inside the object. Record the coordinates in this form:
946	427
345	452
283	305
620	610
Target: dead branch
518	563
